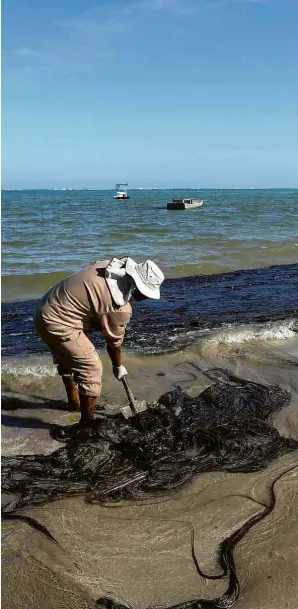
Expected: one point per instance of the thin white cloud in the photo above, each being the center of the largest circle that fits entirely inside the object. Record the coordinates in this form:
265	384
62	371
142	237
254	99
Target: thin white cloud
87	39
180	7
26	52
187	7
163	4
227	2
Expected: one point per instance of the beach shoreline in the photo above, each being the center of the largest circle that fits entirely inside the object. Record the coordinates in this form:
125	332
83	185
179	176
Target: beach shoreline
153	539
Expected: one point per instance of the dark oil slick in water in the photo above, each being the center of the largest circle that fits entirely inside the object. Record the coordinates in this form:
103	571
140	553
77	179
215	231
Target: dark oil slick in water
227	427
189	307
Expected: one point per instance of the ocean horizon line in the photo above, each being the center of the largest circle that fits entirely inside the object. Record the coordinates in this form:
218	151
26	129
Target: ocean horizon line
138	188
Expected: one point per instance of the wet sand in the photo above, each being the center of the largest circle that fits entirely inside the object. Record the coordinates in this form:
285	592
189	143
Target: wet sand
141	553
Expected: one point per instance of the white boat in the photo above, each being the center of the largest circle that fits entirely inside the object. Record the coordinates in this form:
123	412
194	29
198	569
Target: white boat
185	204
121	192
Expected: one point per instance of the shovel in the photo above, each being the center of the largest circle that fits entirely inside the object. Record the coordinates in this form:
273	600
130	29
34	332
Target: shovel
134	407
130	396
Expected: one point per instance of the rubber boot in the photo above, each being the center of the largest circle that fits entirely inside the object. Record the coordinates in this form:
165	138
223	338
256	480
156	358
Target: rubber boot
87	410
72	393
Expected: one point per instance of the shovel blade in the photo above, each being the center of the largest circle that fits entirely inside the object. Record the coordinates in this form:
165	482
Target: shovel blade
128	412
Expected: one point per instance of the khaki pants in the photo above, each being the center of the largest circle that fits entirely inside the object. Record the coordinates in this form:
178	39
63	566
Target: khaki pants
75	357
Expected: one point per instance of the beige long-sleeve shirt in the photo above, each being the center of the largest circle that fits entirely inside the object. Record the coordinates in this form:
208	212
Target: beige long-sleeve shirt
83	301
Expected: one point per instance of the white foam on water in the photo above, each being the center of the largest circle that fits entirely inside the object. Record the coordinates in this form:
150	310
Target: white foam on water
271	331
37	371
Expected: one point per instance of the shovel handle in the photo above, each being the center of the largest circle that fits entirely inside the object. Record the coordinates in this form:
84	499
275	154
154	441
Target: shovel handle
129	395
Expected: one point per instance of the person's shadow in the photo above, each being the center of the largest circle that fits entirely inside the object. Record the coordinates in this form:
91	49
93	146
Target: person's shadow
17	402
25	422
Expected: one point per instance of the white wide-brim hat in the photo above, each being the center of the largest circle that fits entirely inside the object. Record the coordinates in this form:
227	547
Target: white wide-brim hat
147	276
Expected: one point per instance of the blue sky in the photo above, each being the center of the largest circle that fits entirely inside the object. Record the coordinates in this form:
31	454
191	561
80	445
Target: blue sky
161	93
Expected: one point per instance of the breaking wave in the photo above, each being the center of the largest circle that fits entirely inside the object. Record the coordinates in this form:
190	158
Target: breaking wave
265	332
37	370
